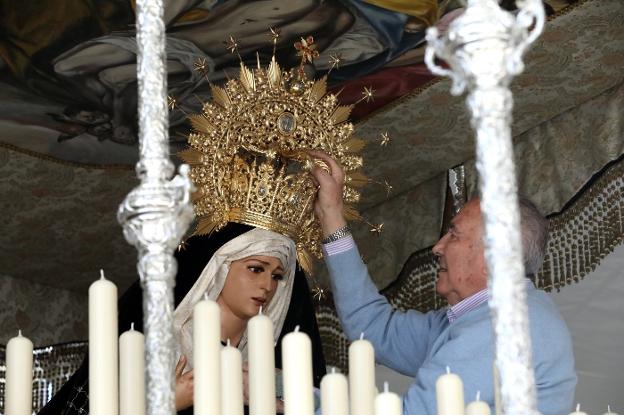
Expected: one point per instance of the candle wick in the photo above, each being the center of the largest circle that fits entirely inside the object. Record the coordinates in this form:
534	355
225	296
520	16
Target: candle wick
578	407
608	409
132	326
228	342
478	396
448	370
362	336
19	333
334	371
260	312
297	328
102	274
206	296
386	389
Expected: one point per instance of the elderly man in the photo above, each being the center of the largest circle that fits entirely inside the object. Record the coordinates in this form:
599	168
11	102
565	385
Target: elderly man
461	336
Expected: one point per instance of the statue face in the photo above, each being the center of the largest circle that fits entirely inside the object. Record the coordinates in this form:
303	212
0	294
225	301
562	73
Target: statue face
460	251
250	284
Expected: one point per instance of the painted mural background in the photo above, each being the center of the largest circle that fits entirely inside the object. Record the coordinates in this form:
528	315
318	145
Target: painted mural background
68	69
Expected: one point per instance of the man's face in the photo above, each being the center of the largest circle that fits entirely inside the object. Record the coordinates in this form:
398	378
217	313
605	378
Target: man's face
460	252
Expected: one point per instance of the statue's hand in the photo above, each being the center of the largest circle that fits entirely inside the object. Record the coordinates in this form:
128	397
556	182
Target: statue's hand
183	386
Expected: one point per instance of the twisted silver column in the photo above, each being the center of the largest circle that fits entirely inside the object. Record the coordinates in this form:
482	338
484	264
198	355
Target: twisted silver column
484	49
156	214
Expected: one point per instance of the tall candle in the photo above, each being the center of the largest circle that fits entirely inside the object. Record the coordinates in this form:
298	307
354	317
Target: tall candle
478	407
450	394
19	376
103	348
231	381
261	365
334	394
362	377
132	373
207	358
388	403
297	364
578	410
497	395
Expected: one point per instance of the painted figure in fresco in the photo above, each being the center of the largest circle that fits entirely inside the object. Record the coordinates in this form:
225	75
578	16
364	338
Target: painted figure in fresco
83	54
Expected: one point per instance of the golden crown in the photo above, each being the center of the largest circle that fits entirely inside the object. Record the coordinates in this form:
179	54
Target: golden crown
249	160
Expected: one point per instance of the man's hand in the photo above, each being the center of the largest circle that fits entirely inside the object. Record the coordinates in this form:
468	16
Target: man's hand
328	204
183	386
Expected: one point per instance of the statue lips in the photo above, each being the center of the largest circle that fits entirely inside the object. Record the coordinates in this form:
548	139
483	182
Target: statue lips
259	301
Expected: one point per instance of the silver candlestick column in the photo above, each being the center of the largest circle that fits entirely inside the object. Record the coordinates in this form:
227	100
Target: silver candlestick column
156	214
484	48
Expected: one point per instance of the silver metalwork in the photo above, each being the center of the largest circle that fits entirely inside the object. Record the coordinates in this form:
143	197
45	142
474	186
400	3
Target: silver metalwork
457	185
156	214
484	48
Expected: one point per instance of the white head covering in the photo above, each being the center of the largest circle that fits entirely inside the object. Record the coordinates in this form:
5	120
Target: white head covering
212	278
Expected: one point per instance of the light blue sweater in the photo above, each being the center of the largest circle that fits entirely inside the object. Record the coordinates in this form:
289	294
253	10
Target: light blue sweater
422	345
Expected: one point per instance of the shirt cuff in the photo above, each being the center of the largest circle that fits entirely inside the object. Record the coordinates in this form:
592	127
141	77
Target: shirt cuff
317	400
339	246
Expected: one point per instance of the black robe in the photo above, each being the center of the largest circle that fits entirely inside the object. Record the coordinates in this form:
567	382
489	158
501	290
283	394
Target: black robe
73	397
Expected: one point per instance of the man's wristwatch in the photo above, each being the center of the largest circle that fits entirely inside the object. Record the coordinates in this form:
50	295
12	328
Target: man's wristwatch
337	234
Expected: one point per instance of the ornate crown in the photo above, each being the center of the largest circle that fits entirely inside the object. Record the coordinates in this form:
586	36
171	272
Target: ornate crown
248	154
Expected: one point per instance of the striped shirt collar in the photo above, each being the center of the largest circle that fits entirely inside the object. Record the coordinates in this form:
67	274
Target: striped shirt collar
466	305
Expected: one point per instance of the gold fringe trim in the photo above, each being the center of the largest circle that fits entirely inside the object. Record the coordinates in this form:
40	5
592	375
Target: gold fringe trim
586	232
45	157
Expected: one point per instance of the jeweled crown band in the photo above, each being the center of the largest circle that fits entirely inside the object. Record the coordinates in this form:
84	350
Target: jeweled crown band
262	221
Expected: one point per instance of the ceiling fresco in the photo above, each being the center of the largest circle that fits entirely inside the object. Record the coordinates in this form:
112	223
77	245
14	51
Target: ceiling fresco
68	69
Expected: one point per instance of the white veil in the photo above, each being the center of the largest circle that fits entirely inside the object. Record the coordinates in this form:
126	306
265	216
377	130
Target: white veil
212	278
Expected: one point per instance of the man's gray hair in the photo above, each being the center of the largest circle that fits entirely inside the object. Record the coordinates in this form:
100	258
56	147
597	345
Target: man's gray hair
534	228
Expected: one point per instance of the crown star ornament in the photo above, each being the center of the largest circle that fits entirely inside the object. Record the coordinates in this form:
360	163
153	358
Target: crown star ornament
249	160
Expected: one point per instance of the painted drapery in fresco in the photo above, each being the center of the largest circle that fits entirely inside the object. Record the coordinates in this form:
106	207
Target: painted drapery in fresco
67	70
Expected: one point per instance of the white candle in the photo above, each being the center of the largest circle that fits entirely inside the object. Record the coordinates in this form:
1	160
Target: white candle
497	396
297	366
362	377
103	348
578	410
478	407
132	373
450	394
261	365
207	358
334	394
388	403
19	376
231	381
609	411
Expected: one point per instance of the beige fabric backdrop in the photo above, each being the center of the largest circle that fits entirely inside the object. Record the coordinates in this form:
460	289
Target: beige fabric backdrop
554	160
45	315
